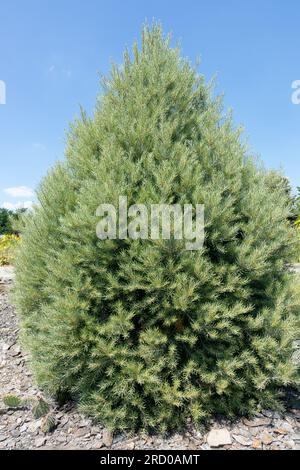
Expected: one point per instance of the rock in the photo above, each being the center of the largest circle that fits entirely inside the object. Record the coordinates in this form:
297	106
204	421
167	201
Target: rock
290	444
34	426
40	441
61	438
10	444
2	437
271	414
193	444
205	447
284	425
23	428
256	444
6	274
257	422
267	439
198	435
254	432
107	438
95	431
296	357
126	445
82	432
16	351
130	446
5	346
84	423
63	420
280	431
98	444
242	440
241	431
218	437
277	445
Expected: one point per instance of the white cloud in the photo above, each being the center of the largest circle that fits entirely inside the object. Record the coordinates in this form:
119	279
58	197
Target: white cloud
38	146
19	191
12	206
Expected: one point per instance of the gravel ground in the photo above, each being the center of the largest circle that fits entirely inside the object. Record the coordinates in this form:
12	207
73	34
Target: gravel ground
20	430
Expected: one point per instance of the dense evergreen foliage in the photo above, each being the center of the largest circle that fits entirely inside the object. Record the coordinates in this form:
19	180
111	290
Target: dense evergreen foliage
143	332
5	222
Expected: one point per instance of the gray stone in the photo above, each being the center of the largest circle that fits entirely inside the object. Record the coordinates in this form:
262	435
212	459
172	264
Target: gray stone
16	351
40	441
95	431
285	426
242	440
34	426
271	414
107	438
81	432
267	439
218	437
257	422
61	438
98	444
24	428
290	444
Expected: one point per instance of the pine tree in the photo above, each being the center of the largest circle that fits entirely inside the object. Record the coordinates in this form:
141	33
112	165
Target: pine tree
144	333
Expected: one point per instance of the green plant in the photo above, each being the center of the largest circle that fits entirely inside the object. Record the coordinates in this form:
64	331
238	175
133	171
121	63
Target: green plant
5	223
144	333
40	408
8	245
48	423
13	401
17	219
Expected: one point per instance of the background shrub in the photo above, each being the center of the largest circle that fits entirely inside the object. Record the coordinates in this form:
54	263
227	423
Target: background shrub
5	222
8	245
144	333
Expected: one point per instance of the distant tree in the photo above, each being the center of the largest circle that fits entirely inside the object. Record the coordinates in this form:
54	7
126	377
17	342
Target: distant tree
278	181
5	222
17	220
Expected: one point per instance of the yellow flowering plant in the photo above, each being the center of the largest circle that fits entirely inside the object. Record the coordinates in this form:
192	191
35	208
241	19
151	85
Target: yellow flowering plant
8	244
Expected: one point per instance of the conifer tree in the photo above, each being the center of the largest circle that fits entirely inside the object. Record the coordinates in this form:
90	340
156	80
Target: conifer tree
144	333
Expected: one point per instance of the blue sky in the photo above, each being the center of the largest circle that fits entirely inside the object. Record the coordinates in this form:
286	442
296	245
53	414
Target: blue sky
53	52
